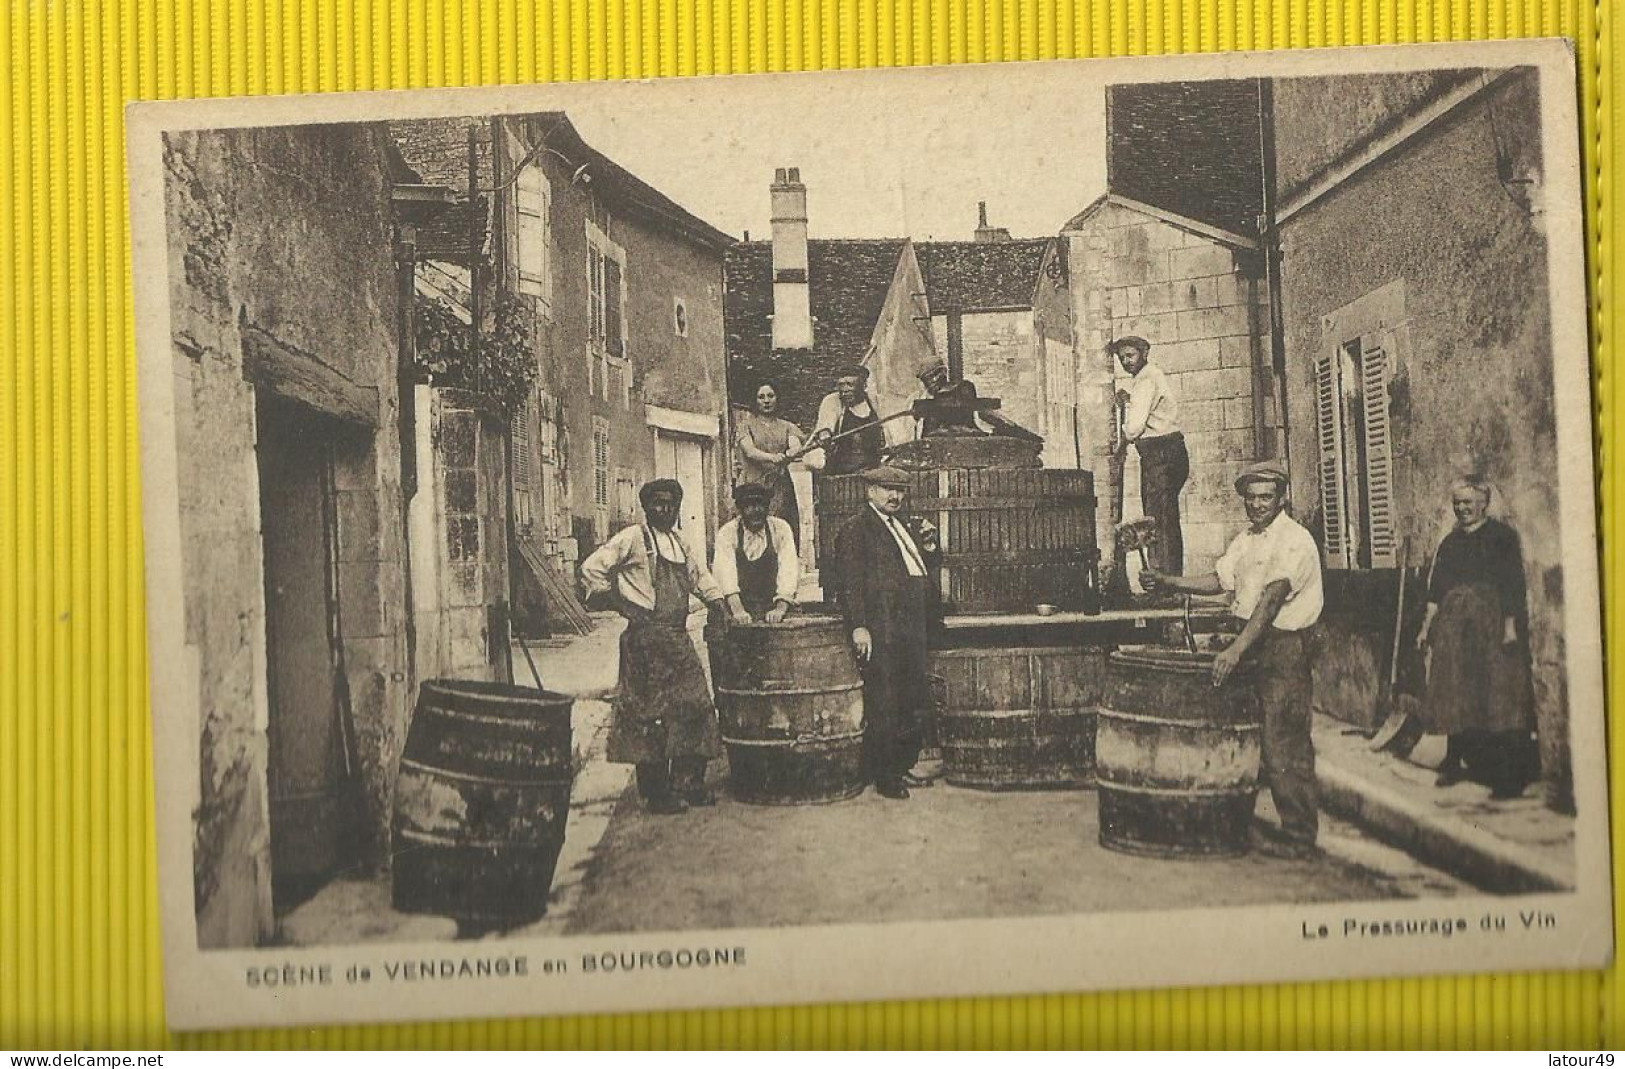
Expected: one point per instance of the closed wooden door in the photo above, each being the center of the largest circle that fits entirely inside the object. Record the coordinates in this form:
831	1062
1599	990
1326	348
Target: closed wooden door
683	459
306	758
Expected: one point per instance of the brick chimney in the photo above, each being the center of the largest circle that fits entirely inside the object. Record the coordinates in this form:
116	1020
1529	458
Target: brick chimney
987	233
792	311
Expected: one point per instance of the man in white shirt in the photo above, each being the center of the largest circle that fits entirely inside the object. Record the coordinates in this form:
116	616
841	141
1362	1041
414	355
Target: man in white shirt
1273	570
664	720
849	411
1151	421
755	564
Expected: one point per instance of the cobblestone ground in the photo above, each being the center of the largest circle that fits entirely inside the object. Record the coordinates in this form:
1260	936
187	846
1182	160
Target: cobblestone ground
945	853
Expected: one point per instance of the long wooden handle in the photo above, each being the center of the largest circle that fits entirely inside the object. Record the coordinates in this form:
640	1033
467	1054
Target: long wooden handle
1399	614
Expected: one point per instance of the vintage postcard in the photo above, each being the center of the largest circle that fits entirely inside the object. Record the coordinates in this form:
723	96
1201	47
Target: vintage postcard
954	531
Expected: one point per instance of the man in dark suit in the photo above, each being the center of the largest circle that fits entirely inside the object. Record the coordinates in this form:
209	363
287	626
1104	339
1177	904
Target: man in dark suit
888	599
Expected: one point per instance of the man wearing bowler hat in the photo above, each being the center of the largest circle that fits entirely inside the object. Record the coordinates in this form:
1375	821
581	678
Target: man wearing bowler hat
1273	569
1151	422
888	598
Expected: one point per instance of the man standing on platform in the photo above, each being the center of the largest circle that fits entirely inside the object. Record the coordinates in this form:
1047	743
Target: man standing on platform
664	720
888	599
1151	421
849	409
1273	569
755	563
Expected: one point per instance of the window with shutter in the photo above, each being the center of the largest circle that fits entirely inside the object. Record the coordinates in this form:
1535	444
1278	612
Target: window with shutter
1329	426
1381	524
530	200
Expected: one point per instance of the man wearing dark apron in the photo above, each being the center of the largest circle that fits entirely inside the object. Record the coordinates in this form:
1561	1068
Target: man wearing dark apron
664	721
756	571
846	410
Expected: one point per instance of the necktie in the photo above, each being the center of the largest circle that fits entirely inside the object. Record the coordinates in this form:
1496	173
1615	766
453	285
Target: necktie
907	545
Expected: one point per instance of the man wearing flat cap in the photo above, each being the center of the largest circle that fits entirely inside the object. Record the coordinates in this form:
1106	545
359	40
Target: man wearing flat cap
888	597
1151	421
849	409
664	720
755	563
1273	570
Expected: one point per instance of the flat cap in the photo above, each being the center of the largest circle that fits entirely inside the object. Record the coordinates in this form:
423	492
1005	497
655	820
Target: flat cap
1128	341
744	492
1263	471
886	475
852	371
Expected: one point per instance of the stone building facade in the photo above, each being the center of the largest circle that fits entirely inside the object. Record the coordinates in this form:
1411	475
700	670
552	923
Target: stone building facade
289	467
621	290
1418	341
1196	293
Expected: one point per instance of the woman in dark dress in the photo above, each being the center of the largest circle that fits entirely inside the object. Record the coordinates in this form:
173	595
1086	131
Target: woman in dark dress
1476	632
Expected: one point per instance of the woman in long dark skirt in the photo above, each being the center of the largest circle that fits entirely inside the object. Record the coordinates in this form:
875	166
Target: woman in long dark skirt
1476	632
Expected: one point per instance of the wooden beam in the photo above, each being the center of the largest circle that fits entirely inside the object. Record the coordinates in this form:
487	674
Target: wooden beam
282	370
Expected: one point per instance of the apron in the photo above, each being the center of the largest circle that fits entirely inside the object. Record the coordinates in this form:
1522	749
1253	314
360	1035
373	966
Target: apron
861	451
663	709
759	578
758	581
1475	683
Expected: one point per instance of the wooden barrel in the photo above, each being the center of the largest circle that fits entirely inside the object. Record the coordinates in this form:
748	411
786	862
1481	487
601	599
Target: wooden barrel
481	801
1018	719
1012	538
791	704
1176	759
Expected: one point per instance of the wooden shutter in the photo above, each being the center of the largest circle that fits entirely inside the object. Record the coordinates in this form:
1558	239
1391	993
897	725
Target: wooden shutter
522	478
595	286
531	202
613	337
1382	523
1329	425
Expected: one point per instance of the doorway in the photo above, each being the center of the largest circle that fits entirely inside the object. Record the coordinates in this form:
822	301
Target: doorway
682	458
307	691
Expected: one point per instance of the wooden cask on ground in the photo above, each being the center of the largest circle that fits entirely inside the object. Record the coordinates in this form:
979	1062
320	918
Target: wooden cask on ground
1018	719
481	801
791	702
1176	758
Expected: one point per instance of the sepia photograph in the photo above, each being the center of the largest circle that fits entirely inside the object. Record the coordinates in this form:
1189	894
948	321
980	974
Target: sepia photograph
764	539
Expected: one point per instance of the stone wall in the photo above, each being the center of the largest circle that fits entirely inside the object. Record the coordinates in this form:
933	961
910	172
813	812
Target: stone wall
279	238
1471	389
1207	322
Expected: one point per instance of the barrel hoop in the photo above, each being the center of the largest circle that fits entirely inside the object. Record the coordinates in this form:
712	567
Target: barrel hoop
431	839
776	691
799	740
1174	792
525	722
440	697
1047	502
474	777
1142	718
1010	714
977	653
1027	557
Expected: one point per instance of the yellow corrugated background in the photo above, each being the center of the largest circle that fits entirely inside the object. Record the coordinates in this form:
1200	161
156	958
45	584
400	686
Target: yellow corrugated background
79	947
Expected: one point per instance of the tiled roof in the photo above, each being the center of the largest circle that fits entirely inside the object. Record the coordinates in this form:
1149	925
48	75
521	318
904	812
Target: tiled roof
1191	148
436	151
967	276
848	283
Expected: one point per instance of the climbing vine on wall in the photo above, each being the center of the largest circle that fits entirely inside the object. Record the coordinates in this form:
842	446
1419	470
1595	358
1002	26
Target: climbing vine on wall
501	368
